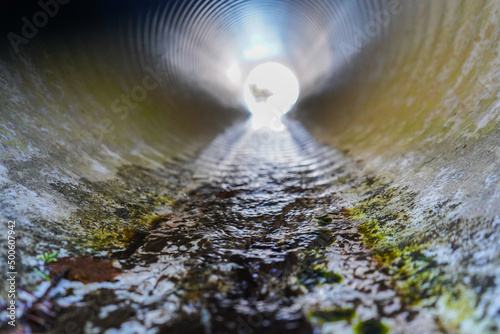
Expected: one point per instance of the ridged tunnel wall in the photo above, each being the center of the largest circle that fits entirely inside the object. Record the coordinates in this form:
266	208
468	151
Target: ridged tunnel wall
106	105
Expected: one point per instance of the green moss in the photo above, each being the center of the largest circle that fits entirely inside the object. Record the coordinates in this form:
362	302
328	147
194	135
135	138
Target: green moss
417	276
491	126
463	302
329	276
313	271
370	327
486	103
8	139
324	219
419	279
318	275
112	212
371	232
382	216
338	314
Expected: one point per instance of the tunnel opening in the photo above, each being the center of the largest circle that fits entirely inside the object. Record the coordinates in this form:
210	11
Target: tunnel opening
270	91
250	166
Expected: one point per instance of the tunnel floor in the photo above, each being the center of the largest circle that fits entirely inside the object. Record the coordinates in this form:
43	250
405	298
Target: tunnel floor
258	244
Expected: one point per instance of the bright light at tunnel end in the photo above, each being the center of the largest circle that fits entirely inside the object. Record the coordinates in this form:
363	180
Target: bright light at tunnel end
270	91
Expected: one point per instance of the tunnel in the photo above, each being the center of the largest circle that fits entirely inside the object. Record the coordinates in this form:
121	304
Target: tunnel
237	166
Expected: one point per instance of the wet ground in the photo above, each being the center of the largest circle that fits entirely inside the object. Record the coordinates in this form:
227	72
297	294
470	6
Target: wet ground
258	243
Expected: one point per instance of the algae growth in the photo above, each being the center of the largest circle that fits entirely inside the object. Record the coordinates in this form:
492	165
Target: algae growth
388	227
113	212
371	327
338	314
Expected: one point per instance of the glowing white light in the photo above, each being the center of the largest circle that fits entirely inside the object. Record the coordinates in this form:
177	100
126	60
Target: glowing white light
234	73
270	91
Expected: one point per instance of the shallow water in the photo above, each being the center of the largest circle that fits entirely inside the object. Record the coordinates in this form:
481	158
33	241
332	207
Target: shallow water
243	252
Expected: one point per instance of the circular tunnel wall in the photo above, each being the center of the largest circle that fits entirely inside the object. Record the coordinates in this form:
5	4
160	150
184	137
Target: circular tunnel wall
101	98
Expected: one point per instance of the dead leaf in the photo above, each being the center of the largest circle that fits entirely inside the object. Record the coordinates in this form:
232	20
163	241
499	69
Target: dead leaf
84	269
